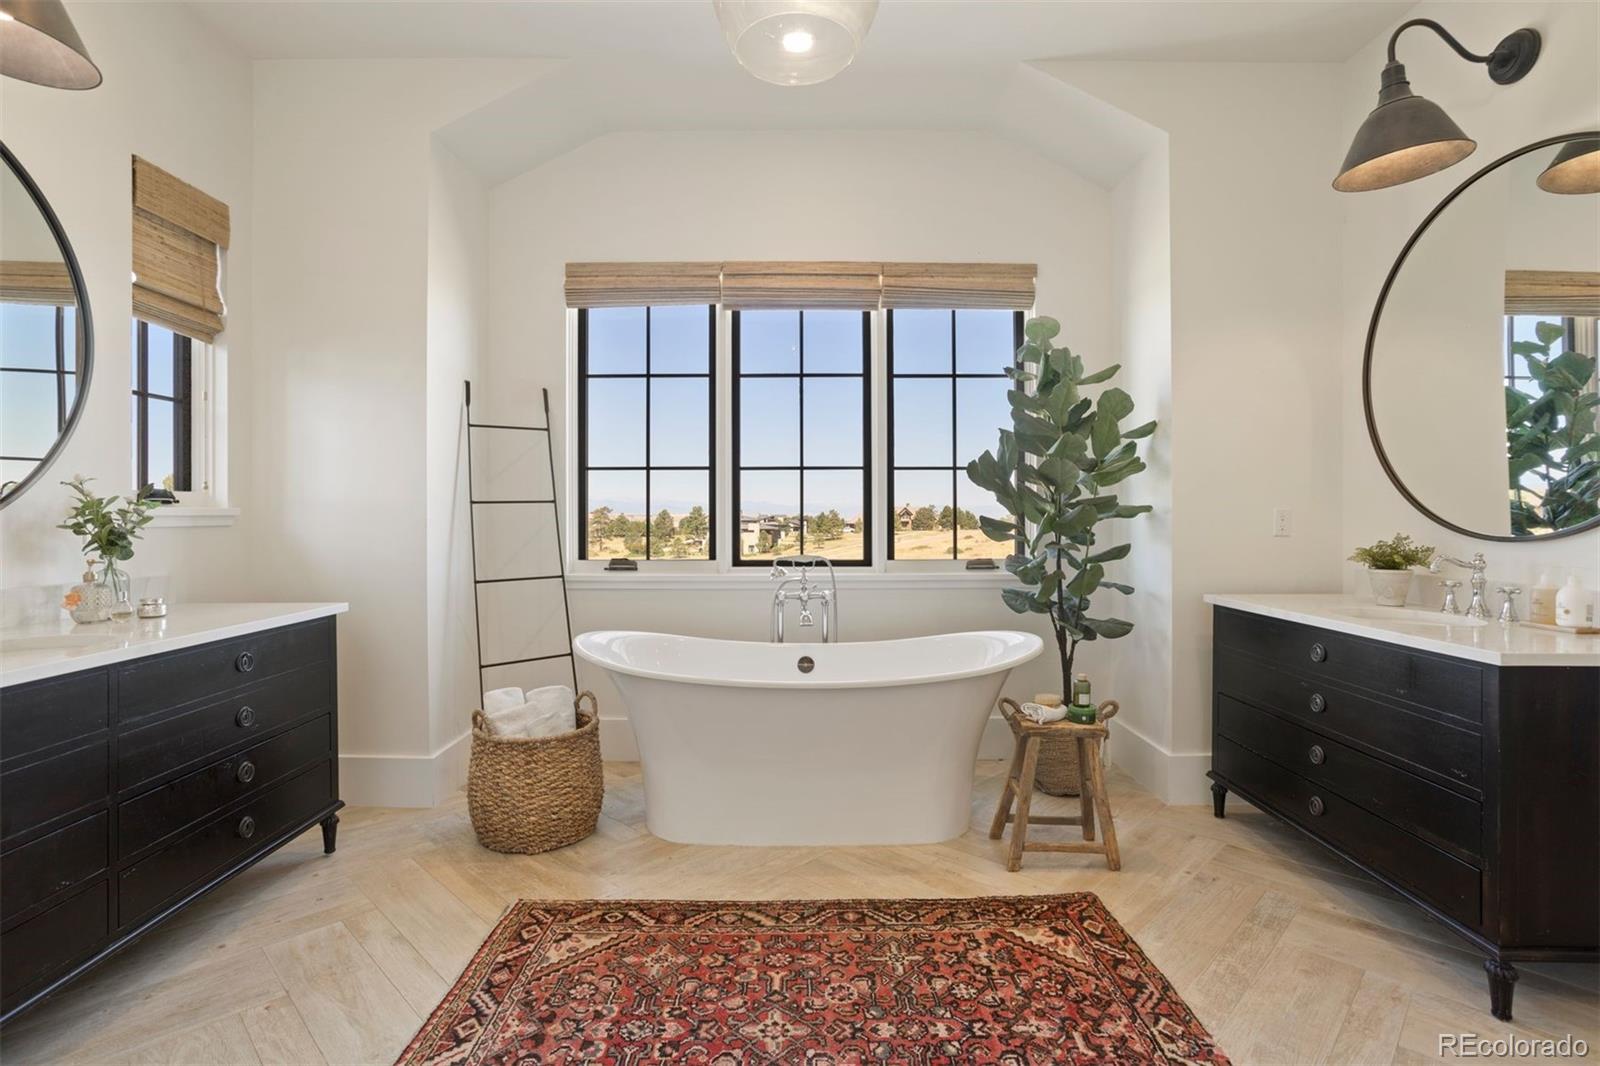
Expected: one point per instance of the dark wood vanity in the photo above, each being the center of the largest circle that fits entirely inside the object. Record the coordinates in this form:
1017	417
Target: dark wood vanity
129	790
1471	789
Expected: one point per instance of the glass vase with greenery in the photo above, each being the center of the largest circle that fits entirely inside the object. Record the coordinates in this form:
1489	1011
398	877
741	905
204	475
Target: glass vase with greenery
1051	473
108	532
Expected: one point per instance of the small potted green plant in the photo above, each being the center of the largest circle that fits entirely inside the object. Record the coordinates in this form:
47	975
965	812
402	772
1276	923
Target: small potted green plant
1389	564
108	533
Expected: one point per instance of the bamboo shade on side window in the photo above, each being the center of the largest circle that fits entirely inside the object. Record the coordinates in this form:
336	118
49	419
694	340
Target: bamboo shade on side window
1552	292
178	235
976	285
637	284
828	285
26	281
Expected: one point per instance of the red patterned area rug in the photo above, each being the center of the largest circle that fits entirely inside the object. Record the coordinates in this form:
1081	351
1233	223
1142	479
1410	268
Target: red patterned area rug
1011	980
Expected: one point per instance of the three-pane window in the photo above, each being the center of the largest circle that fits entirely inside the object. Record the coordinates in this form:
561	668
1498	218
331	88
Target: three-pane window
948	384
163	407
802	435
38	382
647	432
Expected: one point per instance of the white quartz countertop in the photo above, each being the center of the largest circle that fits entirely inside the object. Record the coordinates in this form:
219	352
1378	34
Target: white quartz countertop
34	653
1484	642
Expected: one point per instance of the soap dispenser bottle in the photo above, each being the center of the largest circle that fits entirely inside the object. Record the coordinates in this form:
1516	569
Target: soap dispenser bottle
1542	602
1574	608
90	601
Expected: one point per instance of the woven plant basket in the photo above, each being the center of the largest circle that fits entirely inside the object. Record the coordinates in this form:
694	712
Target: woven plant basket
1058	773
533	794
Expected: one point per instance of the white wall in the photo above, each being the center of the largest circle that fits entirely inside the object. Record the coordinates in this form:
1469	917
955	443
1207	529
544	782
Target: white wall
1560	95
799	195
1255	349
355	445
179	97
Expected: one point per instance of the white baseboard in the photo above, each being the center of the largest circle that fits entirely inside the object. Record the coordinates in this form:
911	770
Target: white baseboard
1178	777
405	780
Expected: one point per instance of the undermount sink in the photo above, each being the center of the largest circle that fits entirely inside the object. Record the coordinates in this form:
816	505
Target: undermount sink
56	642
1410	617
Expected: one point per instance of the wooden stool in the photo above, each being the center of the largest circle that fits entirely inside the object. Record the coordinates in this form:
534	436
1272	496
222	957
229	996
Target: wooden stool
1091	795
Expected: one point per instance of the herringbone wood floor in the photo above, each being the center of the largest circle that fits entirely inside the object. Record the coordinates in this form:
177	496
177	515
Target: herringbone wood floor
1285	954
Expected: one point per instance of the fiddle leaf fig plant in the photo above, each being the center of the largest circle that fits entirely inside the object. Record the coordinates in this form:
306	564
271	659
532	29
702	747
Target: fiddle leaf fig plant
1051	472
1551	437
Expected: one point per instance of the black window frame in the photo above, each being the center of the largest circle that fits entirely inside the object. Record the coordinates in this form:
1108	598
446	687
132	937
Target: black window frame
61	373
182	401
801	374
955	468
647	375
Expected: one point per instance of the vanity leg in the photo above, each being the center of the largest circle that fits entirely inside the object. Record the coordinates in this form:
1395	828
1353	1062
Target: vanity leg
1219	797
1502	982
330	833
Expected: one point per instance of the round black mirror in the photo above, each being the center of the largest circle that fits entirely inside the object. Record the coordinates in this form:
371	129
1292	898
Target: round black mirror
46	334
1479	378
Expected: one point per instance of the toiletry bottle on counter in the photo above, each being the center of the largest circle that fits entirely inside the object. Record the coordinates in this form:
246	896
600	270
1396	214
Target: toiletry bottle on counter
1542	602
1574	607
1081	710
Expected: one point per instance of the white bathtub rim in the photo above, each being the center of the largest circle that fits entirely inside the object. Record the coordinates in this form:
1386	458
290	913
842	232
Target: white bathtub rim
1029	647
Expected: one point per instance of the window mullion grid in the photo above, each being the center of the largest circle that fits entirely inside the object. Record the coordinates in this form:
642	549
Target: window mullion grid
648	514
955	525
142	368
181	408
800	393
61	369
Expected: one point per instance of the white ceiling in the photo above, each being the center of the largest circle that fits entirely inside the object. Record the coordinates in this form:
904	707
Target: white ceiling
906	32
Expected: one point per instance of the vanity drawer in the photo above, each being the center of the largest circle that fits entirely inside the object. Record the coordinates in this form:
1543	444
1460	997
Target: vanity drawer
48	943
1449	884
35	872
1430	745
1447	818
52	712
1452	686
170	807
149	686
222	842
213	729
40	792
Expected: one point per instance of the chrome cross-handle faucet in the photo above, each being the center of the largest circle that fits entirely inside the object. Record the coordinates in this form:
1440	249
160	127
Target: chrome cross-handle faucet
1478	607
797	571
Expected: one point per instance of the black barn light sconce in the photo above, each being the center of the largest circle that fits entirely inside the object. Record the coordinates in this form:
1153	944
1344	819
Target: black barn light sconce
38	43
1575	169
1407	136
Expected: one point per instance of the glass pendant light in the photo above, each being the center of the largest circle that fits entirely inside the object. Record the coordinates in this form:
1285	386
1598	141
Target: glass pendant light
1408	137
795	42
1575	169
38	43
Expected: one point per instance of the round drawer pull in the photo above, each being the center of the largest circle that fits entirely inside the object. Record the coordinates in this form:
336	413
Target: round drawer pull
246	662
1319	653
247	772
1319	703
247	827
1316	755
246	717
1316	805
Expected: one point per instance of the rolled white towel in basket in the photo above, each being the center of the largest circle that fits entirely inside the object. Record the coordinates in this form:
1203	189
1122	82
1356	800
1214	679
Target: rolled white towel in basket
1042	714
502	699
546	712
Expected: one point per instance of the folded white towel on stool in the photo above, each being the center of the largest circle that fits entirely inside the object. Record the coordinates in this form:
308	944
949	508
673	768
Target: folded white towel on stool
502	699
1042	714
546	712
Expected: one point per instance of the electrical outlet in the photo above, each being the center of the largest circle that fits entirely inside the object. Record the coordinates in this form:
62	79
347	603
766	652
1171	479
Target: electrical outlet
1281	524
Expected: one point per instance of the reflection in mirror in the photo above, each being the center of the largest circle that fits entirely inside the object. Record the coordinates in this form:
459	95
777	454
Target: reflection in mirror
1481	386
43	345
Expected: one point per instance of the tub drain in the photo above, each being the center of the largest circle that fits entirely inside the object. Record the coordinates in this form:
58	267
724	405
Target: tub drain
806	664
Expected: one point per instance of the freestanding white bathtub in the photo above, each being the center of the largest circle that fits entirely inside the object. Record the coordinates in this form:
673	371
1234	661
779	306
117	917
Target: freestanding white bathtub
756	743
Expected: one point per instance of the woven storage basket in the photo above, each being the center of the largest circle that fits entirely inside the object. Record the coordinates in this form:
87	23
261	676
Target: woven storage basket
532	794
1058	773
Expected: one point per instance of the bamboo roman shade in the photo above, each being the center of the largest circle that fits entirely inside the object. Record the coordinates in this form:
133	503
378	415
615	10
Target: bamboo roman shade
991	285
636	284
798	284
27	281
178	236
1552	292
830	285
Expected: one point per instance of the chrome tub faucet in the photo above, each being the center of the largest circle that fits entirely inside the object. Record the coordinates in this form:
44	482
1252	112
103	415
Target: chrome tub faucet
1478	607
796	570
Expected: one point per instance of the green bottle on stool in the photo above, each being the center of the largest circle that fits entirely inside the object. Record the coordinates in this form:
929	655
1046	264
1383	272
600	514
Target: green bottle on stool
1081	710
